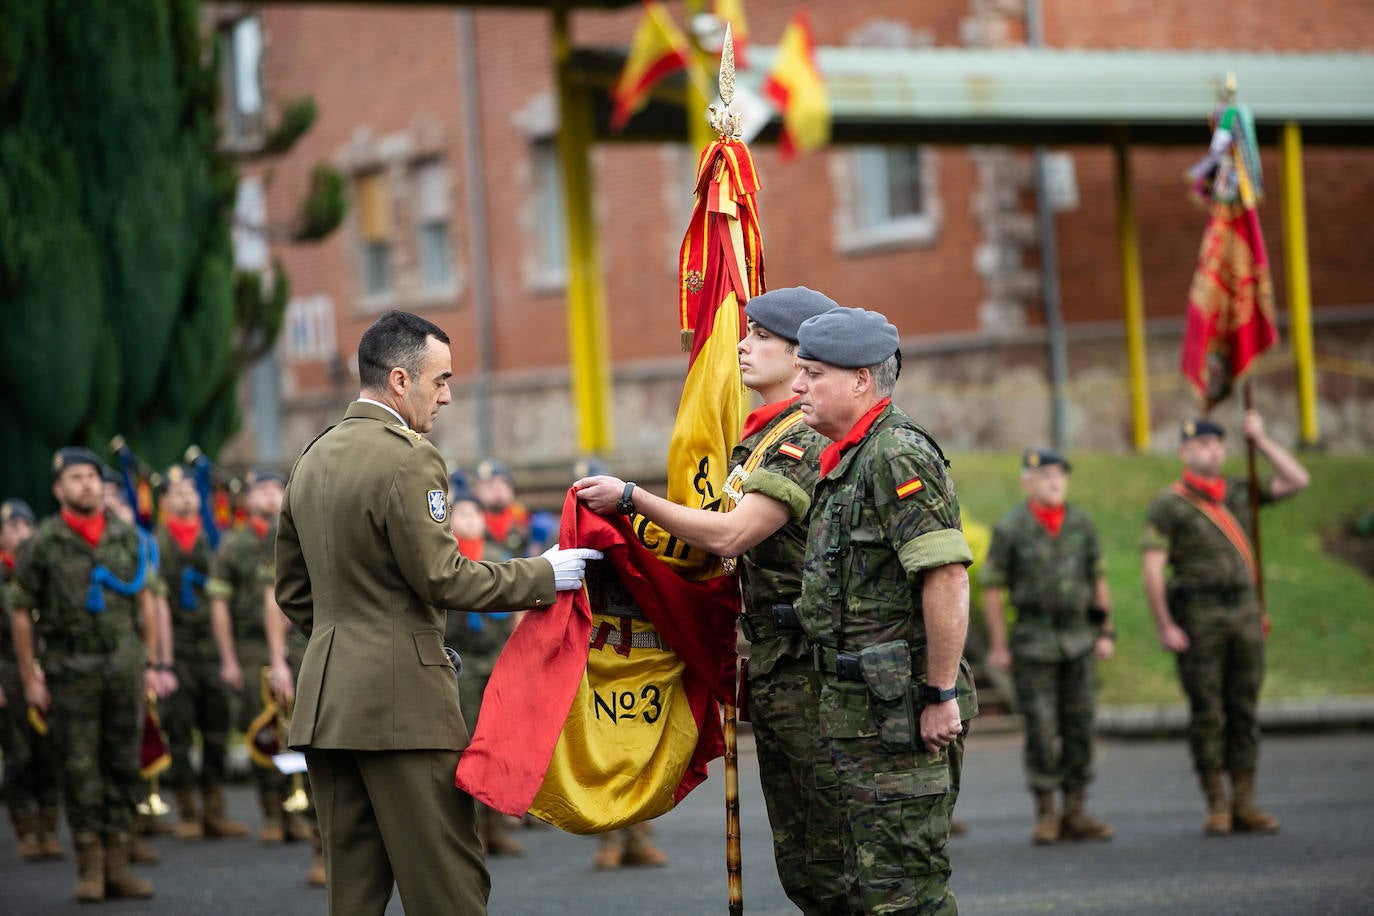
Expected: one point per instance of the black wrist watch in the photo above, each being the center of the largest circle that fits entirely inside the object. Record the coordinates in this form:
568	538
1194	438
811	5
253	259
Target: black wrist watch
626	504
932	694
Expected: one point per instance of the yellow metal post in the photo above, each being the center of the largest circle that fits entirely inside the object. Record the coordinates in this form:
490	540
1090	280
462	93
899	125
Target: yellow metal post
1132	293
699	132
588	351
1299	282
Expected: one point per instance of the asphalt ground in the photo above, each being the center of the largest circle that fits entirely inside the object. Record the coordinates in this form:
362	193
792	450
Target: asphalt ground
1321	785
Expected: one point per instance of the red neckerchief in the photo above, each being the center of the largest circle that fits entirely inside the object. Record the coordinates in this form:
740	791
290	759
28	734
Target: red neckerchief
832	453
1214	488
764	415
1052	517
184	531
472	548
90	527
260	526
499	523
8	559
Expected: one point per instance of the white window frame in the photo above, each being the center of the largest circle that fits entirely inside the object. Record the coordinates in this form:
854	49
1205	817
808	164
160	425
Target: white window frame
863	176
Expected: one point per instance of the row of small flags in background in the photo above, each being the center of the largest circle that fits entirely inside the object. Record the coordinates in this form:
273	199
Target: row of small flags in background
794	86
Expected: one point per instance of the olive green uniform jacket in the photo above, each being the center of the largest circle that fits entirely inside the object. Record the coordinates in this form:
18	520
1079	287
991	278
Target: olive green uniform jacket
366	567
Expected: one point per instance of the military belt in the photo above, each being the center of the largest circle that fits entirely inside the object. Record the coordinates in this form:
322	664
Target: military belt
1224	593
646	639
779	618
844	665
90	644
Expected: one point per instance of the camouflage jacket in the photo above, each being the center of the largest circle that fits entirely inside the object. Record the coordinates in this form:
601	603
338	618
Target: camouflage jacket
770	572
296	641
1050	581
185	576
8	669
53	578
1199	553
882	516
236	576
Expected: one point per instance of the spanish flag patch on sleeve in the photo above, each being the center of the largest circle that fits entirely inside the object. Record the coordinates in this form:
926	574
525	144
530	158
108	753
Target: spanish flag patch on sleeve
791	450
913	485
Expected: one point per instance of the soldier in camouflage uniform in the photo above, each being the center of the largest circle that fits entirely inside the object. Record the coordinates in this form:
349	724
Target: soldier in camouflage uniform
32	789
776	465
885	602
76	586
1046	556
507	521
202	701
479	639
1209	614
236	601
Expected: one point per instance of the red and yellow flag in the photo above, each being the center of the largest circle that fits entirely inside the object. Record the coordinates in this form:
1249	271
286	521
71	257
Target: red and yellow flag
732	12
659	48
798	91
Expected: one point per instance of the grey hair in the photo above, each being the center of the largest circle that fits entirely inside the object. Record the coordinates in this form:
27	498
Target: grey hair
884	375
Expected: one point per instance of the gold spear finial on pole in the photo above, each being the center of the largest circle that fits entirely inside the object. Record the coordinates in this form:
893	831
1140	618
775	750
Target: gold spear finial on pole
723	120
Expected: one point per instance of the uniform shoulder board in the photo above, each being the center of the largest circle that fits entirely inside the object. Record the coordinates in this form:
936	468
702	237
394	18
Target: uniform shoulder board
405	432
792	450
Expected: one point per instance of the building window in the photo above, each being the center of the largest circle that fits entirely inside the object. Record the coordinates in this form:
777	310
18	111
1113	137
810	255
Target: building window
892	200
240	56
550	222
309	333
250	225
374	224
433	248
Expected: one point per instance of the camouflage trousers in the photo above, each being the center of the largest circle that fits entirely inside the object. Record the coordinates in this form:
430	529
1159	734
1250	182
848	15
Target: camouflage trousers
800	787
1222	672
201	702
1057	700
898	807
95	717
32	768
252	659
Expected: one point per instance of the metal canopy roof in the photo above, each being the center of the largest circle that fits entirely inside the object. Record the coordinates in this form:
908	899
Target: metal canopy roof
1042	96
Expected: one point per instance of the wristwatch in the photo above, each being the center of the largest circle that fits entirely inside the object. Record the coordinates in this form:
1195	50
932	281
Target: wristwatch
932	694
626	505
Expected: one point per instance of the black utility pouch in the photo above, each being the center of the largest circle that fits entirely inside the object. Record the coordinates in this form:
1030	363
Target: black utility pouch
886	670
1176	596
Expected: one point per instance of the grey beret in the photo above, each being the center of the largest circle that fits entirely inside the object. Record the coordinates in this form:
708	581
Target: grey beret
1201	426
16	508
848	338
1039	457
783	310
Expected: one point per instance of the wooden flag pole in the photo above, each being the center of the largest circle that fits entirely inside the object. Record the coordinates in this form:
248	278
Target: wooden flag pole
1253	474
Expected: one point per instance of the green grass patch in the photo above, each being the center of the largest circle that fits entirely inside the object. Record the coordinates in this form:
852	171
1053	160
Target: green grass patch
1322	607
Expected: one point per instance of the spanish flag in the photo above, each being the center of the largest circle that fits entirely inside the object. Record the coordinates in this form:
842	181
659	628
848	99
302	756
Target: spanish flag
797	90
732	12
659	49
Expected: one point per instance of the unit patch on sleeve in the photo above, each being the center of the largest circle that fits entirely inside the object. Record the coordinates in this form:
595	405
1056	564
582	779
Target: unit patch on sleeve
438	508
913	485
791	450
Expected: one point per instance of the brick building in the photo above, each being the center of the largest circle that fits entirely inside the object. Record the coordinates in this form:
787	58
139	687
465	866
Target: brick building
941	238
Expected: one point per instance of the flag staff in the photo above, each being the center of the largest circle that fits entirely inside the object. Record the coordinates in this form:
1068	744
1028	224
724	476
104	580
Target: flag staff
726	123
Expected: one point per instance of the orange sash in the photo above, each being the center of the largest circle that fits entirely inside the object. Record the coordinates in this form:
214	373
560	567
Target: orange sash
1226	523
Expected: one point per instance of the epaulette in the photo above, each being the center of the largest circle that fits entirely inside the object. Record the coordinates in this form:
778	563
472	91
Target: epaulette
405	432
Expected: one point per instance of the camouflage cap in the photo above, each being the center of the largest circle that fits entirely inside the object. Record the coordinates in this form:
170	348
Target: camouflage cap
1040	457
1200	426
782	311
17	508
72	455
848	338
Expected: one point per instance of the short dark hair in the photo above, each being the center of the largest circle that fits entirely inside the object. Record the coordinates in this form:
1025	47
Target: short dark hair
396	339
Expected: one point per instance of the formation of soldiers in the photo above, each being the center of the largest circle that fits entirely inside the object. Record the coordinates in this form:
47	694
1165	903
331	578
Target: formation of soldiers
848	533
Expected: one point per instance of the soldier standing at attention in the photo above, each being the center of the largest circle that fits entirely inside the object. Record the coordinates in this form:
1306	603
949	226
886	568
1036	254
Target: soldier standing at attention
479	639
507	521
32	789
82	572
1209	615
236	604
202	699
1045	555
365	567
775	467
884	600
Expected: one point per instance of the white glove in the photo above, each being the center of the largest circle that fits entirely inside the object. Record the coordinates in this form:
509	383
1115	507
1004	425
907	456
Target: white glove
569	566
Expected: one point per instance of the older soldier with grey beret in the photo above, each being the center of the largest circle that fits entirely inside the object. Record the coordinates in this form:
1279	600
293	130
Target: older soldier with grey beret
885	603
